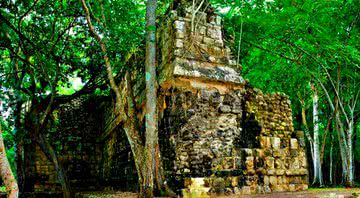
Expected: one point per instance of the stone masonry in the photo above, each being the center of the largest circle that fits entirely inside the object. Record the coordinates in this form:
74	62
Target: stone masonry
220	135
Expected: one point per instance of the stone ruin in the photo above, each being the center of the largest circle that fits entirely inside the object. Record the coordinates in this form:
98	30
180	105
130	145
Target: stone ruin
217	133
222	135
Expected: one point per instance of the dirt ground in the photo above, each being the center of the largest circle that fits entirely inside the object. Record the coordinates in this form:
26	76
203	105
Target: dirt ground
312	193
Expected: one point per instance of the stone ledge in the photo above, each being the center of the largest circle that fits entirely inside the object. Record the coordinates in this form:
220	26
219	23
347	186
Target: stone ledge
197	69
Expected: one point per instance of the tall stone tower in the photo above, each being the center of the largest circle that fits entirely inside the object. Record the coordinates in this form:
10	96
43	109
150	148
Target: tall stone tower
218	134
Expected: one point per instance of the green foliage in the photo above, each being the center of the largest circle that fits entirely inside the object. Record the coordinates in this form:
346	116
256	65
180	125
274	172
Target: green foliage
2	189
287	44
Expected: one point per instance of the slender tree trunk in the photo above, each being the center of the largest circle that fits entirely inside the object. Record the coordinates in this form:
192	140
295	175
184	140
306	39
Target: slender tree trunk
20	169
151	120
350	156
7	175
343	152
331	160
308	136
154	179
19	150
325	137
51	155
345	148
35	124
306	130
316	160
350	135
146	155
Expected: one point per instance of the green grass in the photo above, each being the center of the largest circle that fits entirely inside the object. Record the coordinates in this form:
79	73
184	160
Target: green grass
337	189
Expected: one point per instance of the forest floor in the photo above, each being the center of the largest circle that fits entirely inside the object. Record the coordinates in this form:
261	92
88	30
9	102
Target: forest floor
314	193
311	193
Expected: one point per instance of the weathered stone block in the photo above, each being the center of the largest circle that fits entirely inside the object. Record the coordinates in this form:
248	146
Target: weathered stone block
266	180
202	29
271	172
246	190
249	163
294	144
273	181
265	142
224	109
209	41
280	163
219	43
269	161
280	172
294	163
279	153
275	142
180	35
180	25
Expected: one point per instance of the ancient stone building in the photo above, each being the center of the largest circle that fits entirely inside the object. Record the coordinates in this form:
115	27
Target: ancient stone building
217	133
221	134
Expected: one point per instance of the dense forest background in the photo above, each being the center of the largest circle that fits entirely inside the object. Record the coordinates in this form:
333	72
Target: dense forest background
307	49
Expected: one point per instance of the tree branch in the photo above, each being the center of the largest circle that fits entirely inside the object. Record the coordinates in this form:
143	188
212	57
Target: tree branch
113	85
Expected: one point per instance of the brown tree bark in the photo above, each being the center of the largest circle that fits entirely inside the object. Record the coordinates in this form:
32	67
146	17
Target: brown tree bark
7	175
51	155
324	138
19	156
35	123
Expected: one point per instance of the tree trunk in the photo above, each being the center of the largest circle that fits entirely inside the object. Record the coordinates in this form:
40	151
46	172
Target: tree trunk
6	173
20	169
342	146
146	155
51	155
350	155
318	180
327	129
151	120
19	150
345	152
306	130
331	160
35	123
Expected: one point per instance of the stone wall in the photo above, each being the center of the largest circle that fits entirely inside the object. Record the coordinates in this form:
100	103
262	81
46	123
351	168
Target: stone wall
278	163
92	147
117	166
241	137
74	138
